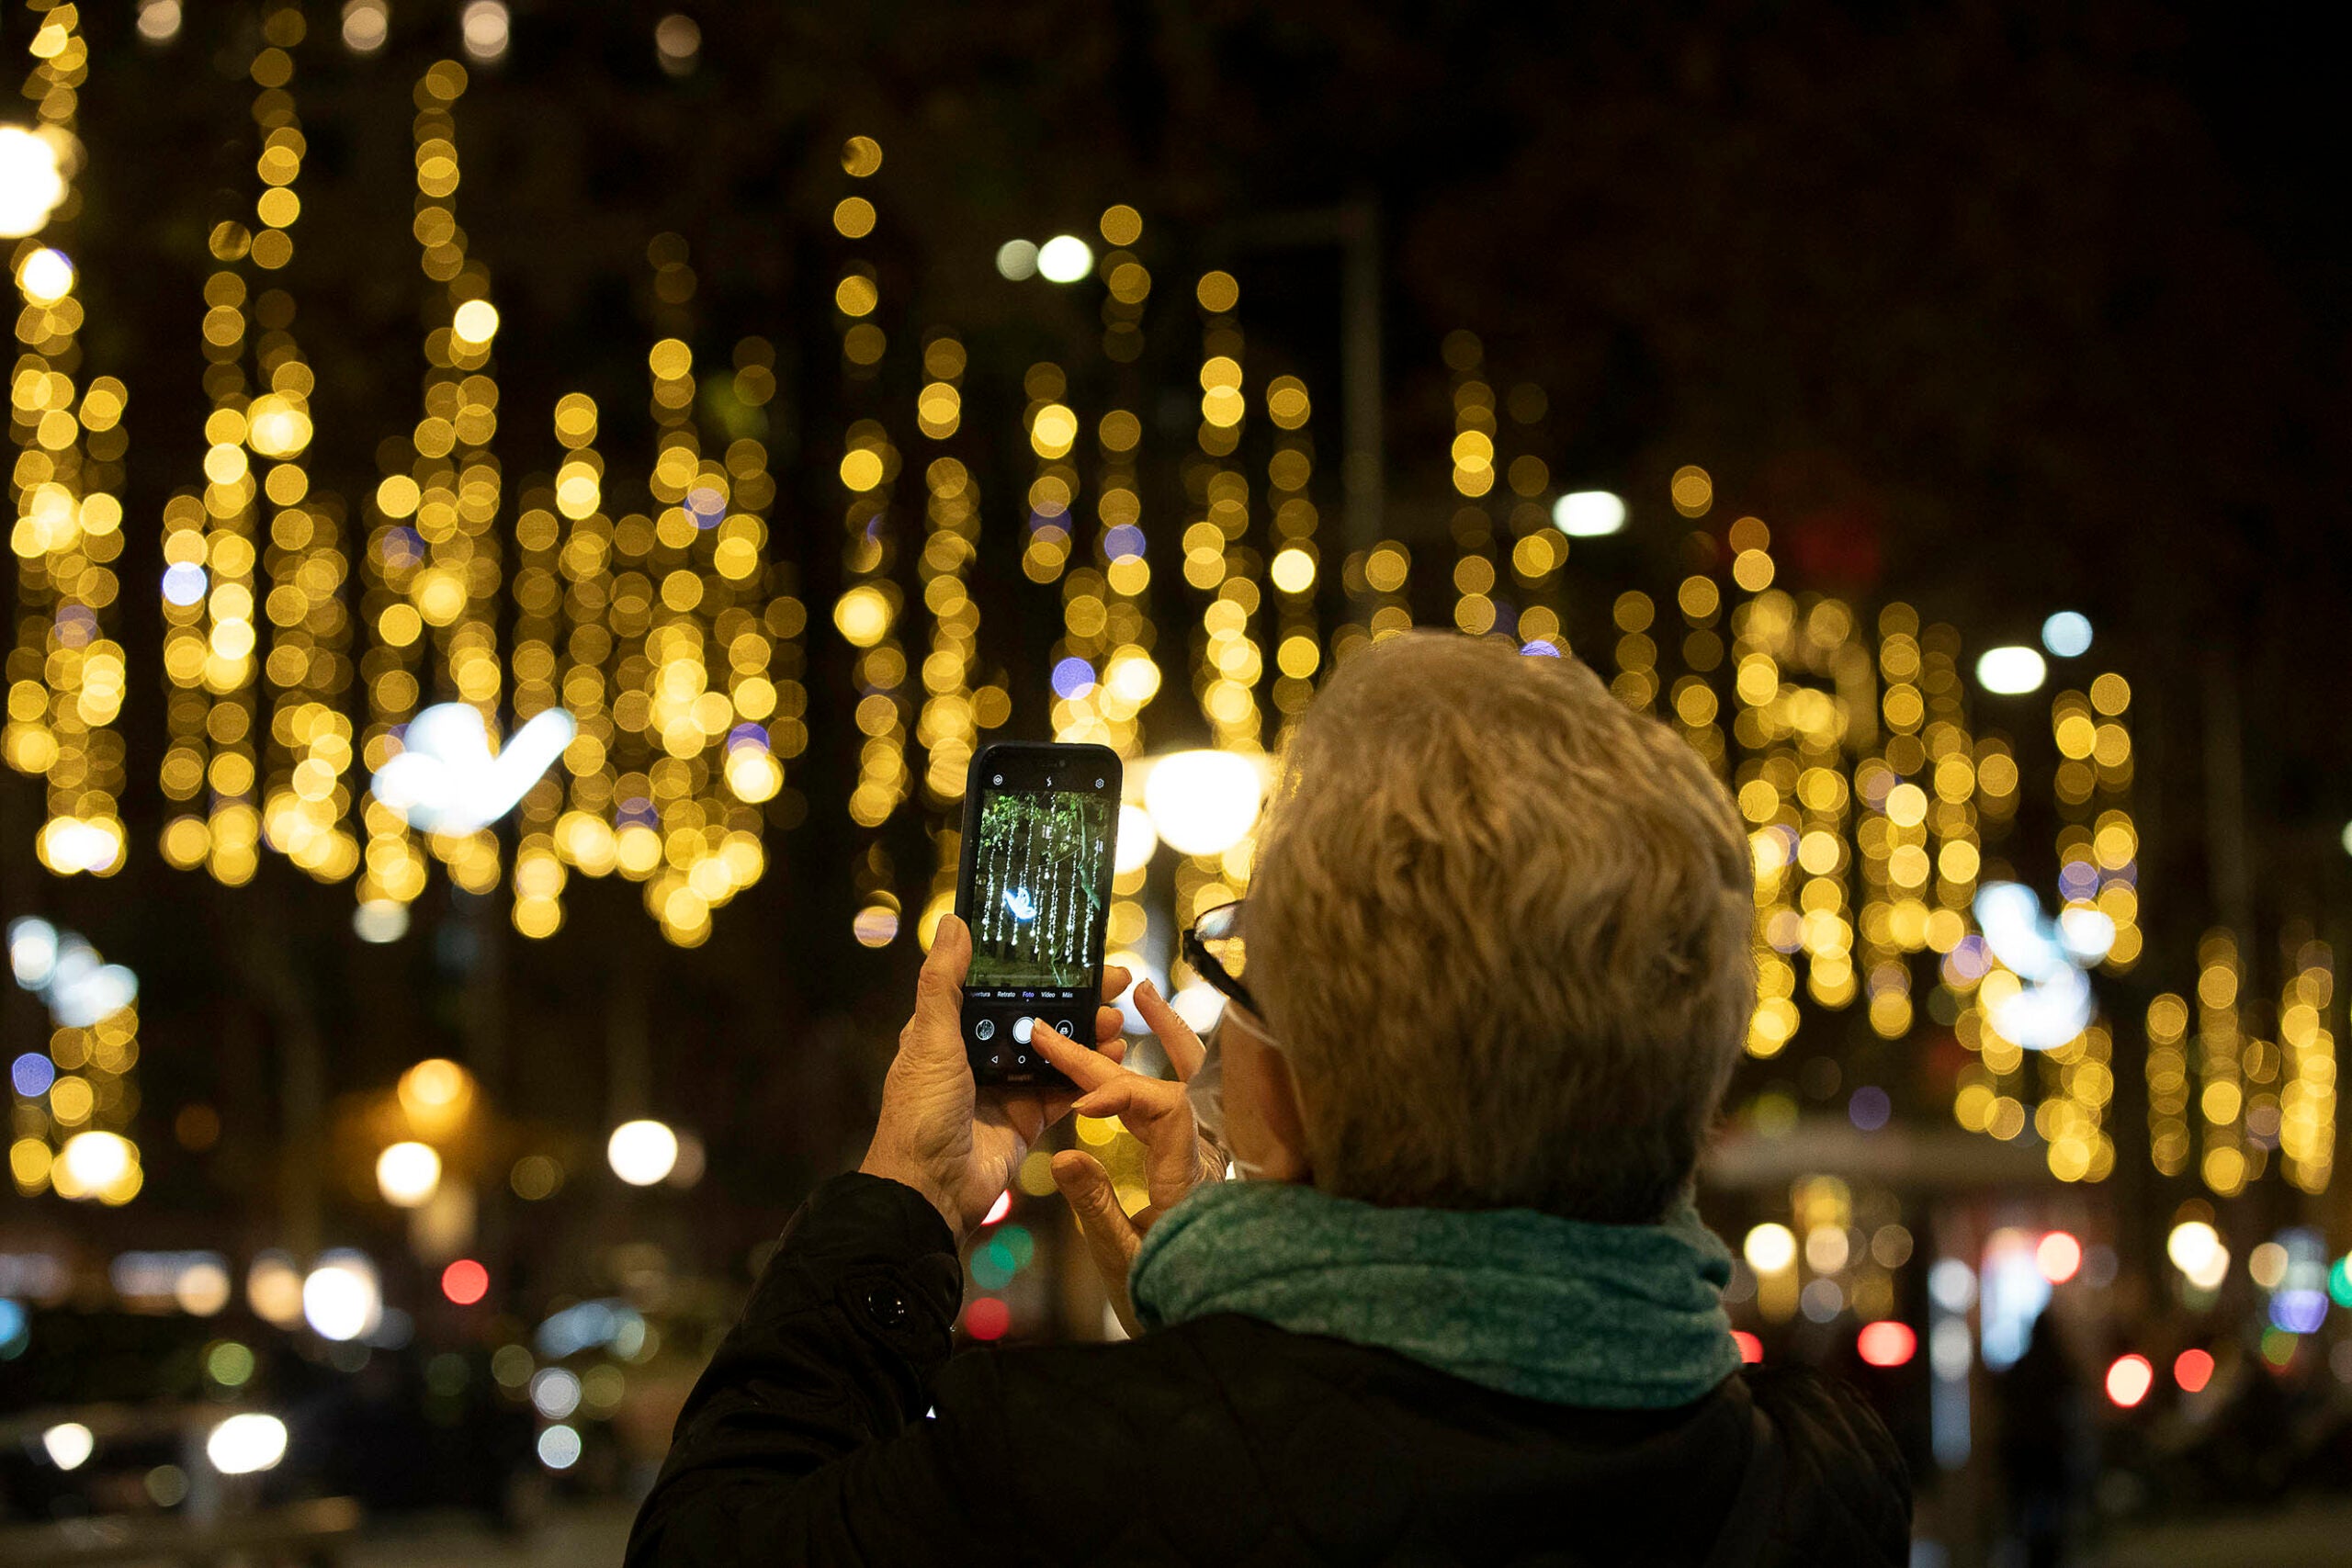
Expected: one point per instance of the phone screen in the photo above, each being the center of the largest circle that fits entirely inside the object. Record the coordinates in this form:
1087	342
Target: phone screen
1040	827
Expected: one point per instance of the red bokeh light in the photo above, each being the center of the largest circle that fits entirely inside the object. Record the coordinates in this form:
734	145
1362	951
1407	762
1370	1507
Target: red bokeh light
2129	1379
998	1210
465	1282
2060	1256
1886	1343
2192	1370
1751	1349
986	1318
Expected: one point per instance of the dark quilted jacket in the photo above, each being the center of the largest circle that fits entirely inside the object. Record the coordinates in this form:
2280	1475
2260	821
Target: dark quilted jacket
1222	1441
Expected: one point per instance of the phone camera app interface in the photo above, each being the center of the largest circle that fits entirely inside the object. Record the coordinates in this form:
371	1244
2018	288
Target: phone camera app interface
1042	868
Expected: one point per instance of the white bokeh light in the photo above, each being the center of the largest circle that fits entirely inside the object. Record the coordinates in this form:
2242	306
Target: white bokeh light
1065	258
69	1445
408	1174
246	1443
1589	513
2010	672
642	1152
342	1297
1203	802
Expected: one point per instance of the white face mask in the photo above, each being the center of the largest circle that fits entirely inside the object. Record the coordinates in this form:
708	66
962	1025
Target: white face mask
1205	1091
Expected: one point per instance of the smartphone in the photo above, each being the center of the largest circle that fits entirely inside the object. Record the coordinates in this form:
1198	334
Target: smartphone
1040	824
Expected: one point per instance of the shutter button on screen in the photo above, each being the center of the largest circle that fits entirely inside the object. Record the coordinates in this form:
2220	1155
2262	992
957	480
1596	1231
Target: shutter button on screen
1021	1027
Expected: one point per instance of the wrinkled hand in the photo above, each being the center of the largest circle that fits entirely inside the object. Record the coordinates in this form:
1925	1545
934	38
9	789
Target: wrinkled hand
1176	1157
954	1142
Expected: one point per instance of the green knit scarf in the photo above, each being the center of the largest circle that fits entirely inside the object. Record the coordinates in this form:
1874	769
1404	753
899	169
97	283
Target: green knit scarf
1618	1317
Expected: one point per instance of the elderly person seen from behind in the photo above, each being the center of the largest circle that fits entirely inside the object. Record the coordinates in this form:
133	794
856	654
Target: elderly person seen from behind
1482	1003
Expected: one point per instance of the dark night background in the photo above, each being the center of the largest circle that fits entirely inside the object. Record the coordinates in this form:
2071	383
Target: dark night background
1995	308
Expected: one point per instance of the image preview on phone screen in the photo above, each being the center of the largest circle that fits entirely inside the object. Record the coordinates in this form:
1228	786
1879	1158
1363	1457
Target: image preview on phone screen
1040	870
1041	874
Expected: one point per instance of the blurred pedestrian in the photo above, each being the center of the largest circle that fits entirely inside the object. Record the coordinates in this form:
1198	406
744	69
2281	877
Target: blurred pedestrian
1491	979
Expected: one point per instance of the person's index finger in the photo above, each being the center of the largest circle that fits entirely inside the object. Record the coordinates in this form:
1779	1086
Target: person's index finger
1183	1047
1083	1068
1115	981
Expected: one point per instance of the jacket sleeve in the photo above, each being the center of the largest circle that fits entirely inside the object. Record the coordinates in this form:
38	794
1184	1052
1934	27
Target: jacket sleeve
804	1441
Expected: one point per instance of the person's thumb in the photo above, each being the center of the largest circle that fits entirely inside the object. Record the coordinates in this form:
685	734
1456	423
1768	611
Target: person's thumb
1111	1239
939	989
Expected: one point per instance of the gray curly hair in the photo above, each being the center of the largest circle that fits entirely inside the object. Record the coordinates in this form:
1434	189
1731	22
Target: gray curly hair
1501	924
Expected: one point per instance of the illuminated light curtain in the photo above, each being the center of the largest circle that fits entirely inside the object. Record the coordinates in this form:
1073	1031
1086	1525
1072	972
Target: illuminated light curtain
306	797
947	725
2168	1070
540	870
66	678
1762	631
584	834
431	564
1693	699
73	1112
2115	834
1472	454
1635	684
457	591
211	638
1538	550
1297	562
1127	283
1826	800
2222	1162
869	611
1052	430
2307	1099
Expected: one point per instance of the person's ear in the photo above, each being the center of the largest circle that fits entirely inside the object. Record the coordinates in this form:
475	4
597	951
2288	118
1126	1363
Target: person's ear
1279	1130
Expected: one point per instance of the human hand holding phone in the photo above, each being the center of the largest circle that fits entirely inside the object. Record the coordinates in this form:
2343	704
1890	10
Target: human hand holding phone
939	1133
1157	1112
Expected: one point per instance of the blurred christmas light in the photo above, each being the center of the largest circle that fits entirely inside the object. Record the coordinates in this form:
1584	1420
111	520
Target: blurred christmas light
465	1282
1203	802
677	41
159	20
486	29
1589	513
274	1290
445	779
32	182
2067	634
45	276
379	919
1017	260
366	26
1065	258
2010	672
1135	841
1751	1348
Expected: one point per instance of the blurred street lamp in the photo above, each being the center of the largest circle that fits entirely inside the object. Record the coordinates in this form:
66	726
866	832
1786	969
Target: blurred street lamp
642	1152
243	1444
342	1297
408	1174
